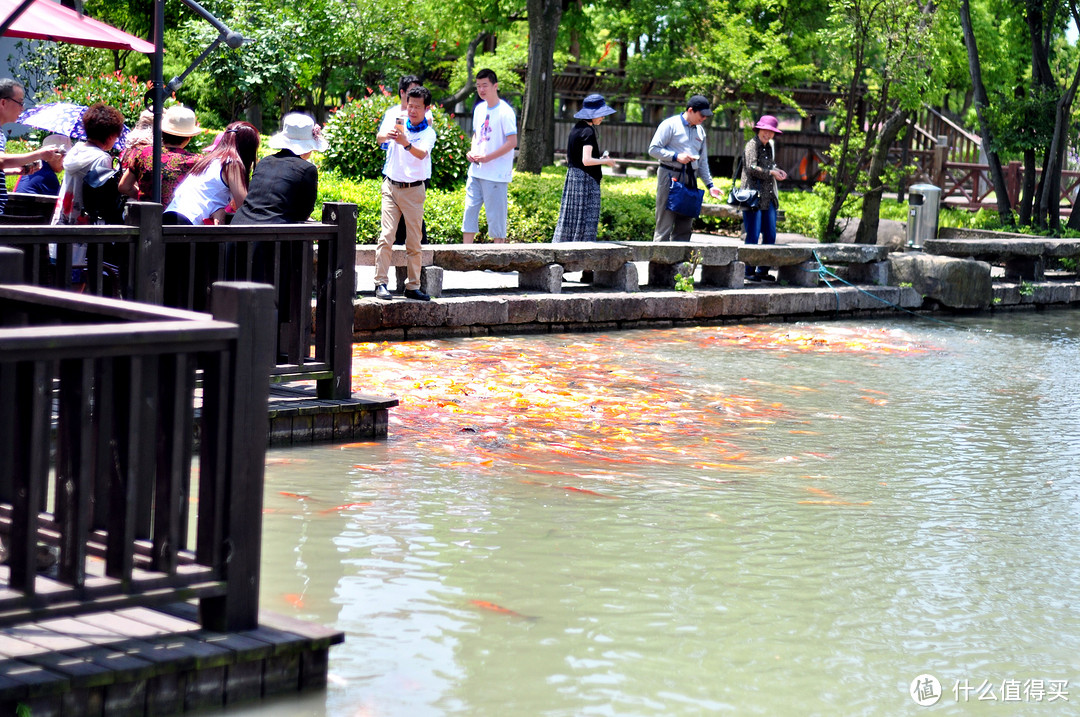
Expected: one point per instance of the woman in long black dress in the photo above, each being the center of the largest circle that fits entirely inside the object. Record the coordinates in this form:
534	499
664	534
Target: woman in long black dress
579	214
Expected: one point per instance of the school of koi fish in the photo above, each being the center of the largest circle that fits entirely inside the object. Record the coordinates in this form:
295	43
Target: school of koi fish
584	401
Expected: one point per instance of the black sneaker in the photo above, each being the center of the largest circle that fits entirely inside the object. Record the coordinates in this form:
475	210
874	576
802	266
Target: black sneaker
417	294
765	277
381	292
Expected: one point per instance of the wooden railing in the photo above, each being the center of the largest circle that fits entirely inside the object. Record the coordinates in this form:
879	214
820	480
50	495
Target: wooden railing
176	266
972	185
106	391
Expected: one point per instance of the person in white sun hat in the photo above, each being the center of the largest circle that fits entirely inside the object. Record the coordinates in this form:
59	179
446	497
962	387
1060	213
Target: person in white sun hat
283	188
44	179
178	126
284	185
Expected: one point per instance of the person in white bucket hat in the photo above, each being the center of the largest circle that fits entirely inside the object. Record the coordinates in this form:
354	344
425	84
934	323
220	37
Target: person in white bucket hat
284	185
44	179
178	126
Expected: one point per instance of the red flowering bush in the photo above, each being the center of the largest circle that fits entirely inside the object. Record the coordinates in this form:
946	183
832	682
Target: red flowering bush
125	93
354	153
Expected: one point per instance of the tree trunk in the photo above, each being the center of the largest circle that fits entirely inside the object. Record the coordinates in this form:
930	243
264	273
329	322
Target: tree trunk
537	147
871	210
997	177
1050	200
1027	198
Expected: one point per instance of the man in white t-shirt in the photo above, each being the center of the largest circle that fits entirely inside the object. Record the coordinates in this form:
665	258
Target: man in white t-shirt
408	166
491	160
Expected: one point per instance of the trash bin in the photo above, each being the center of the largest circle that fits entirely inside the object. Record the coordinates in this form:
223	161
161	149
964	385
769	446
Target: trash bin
923	202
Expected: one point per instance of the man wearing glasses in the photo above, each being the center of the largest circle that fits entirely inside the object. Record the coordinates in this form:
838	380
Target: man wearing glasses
491	161
12	99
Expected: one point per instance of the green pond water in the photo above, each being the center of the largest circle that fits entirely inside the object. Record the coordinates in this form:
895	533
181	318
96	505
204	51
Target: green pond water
798	521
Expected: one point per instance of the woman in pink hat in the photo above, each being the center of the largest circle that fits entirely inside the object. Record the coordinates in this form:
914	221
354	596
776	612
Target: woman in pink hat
761	173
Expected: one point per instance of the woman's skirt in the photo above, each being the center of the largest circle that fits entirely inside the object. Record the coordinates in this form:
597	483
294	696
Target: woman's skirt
580	211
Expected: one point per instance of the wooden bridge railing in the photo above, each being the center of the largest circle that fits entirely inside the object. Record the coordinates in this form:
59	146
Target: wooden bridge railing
972	185
105	390
176	266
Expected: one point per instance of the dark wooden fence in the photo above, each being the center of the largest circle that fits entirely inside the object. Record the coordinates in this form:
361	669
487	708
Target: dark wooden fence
176	266
105	391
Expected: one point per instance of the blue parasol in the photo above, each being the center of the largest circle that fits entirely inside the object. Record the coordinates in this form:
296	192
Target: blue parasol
61	118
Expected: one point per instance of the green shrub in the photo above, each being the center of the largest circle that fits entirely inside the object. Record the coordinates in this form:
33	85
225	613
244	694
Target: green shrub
627	209
364	194
354	153
123	93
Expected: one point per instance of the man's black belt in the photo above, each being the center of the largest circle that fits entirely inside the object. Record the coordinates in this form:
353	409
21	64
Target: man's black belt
669	168
404	185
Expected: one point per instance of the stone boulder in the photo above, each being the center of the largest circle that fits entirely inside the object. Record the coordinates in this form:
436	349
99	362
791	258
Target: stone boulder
890	233
956	283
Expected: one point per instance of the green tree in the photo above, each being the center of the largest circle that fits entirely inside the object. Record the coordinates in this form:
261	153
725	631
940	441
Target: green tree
881	54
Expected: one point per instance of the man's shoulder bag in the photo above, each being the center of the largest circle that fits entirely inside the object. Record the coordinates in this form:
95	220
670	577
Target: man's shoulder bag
682	199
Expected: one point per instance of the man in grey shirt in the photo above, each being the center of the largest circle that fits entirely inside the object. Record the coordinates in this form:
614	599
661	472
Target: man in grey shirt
679	143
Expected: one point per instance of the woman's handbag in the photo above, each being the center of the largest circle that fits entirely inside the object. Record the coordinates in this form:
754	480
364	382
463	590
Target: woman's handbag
744	199
683	200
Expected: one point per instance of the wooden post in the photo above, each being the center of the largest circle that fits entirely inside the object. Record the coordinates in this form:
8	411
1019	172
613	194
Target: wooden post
11	265
941	150
147	274
337	285
1012	182
251	307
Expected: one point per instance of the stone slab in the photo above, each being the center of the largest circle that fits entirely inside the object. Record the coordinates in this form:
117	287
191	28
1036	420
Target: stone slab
616	308
564	309
851	253
985	249
365	256
406	312
623	279
728	276
547	279
796	301
774	254
483	310
673	252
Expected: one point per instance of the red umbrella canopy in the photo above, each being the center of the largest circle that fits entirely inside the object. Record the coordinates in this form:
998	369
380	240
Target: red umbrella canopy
47	20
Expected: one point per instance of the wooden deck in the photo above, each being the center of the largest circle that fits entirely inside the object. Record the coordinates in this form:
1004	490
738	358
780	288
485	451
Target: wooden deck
142	661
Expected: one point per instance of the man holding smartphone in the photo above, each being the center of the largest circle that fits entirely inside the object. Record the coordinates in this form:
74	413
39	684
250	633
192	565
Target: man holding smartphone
407	168
679	144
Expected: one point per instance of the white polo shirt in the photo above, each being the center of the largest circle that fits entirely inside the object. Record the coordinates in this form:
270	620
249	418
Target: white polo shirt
402	166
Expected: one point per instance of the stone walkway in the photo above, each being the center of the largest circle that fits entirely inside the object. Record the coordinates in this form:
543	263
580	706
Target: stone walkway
488	280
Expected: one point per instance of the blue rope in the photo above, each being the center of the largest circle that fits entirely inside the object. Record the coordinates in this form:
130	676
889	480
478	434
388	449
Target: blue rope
823	273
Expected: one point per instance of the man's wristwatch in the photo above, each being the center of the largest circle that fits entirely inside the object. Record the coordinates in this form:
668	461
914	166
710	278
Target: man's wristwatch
408	147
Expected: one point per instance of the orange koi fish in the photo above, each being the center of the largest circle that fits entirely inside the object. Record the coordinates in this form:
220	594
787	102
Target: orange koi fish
820	491
499	609
298	496
294	599
362	444
586	491
373	469
346	506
